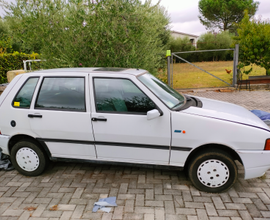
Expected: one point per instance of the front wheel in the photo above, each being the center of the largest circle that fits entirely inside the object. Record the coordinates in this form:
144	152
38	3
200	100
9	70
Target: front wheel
213	172
27	158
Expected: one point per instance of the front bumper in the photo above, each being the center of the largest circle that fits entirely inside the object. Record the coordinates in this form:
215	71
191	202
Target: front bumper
256	163
4	139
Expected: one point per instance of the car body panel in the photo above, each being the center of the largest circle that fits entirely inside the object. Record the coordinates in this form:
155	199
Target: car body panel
68	126
211	131
227	111
9	88
4	139
8	113
133	138
256	163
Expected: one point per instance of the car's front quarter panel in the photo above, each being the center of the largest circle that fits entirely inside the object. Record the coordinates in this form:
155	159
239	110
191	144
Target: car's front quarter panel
193	131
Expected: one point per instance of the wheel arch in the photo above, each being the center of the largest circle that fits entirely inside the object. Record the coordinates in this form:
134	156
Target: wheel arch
41	144
213	147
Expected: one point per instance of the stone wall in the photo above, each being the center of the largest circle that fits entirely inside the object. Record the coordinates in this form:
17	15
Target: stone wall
2	88
13	73
10	76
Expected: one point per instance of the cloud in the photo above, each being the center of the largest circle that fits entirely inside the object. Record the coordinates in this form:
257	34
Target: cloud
192	27
184	17
187	21
263	11
191	14
263	8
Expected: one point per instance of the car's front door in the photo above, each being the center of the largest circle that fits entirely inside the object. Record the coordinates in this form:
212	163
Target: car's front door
60	116
121	129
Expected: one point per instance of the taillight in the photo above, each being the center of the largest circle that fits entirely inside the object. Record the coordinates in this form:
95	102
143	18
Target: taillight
267	145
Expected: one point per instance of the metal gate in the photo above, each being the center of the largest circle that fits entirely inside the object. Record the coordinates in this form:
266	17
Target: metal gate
171	56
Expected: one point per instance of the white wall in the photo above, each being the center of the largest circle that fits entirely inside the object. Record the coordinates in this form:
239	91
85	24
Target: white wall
193	38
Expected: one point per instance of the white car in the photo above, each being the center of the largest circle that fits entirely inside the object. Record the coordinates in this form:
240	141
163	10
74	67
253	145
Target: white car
128	116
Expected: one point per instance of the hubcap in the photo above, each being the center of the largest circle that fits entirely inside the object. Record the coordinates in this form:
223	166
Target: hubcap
213	173
27	159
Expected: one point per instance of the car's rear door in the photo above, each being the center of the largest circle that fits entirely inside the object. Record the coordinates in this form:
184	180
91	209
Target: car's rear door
60	116
121	129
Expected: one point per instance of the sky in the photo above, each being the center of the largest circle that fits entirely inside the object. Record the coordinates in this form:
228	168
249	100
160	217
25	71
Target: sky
184	14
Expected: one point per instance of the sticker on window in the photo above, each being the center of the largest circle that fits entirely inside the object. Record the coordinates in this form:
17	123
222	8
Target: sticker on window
16	104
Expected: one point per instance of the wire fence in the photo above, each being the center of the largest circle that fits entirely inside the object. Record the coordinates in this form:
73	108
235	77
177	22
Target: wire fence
224	77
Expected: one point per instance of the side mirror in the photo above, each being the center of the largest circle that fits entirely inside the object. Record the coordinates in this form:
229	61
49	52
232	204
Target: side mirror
153	114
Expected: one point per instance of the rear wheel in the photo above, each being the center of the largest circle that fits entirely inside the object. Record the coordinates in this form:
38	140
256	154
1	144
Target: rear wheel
27	158
213	171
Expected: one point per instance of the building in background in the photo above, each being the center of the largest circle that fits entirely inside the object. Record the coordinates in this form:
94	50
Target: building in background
193	38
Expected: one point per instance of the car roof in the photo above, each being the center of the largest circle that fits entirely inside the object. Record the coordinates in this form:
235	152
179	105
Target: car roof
111	70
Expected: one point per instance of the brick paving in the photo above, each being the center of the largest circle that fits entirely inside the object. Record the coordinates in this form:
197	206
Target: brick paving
68	190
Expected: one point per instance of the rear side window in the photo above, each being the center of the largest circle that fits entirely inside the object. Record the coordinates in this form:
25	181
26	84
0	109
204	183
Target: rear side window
62	93
24	96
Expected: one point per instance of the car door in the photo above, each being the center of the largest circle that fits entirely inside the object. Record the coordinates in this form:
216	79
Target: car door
121	129
60	116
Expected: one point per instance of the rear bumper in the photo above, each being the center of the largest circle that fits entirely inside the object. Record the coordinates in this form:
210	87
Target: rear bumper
256	163
4	139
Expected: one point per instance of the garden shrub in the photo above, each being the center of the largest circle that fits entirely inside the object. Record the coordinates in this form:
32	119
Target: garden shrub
182	44
212	41
254	40
14	61
78	33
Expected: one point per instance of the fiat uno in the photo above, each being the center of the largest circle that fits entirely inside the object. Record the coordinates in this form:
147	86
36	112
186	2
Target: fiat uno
128	116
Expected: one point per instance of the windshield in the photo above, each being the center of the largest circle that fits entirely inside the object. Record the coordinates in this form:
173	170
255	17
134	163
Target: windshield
168	96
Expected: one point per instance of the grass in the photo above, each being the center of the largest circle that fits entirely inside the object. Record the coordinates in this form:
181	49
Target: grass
186	76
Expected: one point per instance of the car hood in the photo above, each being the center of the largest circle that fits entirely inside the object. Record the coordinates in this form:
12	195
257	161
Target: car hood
226	111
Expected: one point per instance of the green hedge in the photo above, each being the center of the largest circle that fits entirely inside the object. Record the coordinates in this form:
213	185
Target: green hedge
13	61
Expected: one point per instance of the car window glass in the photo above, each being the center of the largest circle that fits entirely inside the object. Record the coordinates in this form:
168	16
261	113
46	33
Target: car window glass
168	95
120	95
24	96
62	93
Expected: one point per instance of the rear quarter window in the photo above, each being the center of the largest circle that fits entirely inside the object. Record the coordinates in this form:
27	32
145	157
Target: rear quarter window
24	97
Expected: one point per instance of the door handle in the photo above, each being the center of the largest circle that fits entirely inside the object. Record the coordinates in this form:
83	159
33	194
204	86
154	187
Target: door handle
99	119
34	116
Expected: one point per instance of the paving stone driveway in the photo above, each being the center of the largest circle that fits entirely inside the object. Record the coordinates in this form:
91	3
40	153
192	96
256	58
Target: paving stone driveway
69	190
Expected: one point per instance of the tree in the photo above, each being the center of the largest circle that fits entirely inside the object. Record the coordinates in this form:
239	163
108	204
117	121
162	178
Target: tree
181	44
224	14
254	41
5	39
8	43
122	33
211	41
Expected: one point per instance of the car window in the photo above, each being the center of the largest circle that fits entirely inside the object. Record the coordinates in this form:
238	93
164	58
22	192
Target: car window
168	96
62	93
24	96
120	95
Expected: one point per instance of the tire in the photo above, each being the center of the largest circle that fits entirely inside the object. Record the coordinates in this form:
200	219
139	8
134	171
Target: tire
213	171
27	158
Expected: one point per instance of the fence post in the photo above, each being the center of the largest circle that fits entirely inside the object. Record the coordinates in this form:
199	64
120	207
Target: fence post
172	70
168	55
235	63
24	65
